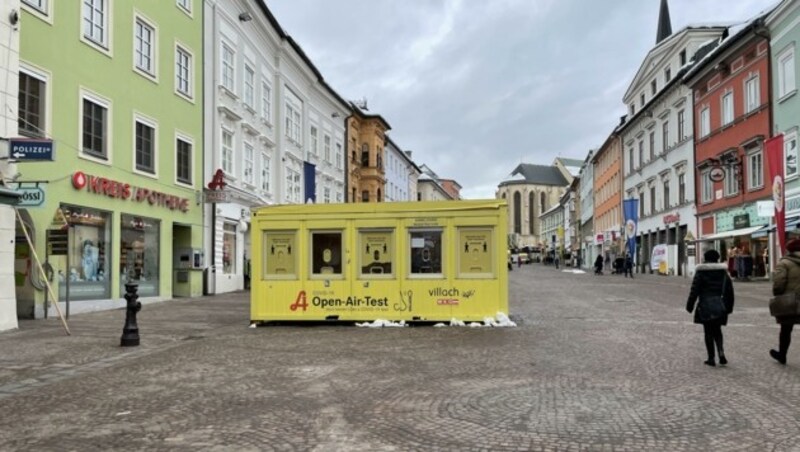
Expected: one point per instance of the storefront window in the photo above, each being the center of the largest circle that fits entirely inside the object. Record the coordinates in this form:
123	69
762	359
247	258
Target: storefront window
326	253
280	251
426	252
475	252
139	254
229	249
377	252
89	255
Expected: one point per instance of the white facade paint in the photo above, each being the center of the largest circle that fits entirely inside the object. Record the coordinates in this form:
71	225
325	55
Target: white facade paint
401	175
239	125
586	196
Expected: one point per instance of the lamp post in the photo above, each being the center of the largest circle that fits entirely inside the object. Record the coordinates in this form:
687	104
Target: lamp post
130	332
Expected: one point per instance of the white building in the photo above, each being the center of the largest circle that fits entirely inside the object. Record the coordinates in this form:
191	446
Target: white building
9	91
586	196
429	188
273	126
401	174
658	146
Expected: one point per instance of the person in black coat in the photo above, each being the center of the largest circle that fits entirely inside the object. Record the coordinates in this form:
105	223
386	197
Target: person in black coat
598	265
628	265
711	281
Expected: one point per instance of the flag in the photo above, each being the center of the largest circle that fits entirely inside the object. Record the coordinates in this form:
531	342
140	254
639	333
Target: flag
631	211
774	152
309	175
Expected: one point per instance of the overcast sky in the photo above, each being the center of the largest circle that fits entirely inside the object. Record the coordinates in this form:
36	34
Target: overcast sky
474	87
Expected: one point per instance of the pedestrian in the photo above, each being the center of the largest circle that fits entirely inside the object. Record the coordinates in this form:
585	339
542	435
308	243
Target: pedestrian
712	289
598	265
519	260
786	280
628	265
556	261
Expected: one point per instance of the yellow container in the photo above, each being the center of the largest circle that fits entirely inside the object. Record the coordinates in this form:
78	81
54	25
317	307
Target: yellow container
413	261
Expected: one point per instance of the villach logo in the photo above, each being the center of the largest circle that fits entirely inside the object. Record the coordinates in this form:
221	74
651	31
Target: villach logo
121	190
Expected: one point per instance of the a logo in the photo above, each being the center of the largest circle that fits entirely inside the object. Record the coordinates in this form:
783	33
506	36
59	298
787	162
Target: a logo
630	229
78	180
300	301
717	174
218	181
777	193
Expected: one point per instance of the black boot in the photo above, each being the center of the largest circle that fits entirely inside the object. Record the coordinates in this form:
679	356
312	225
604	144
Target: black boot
777	356
709	350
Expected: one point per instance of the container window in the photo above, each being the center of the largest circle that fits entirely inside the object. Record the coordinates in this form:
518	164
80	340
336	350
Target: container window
280	255
326	253
475	252
376	252
426	252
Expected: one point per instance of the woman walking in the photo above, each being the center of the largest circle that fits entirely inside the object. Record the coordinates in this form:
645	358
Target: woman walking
786	281
714	289
598	265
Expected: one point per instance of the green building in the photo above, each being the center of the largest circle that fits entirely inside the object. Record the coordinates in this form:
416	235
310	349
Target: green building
117	87
784	35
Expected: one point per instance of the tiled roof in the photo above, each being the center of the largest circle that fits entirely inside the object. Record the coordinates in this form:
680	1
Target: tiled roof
527	173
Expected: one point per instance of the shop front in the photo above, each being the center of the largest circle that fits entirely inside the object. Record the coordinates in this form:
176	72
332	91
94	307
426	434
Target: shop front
97	233
740	239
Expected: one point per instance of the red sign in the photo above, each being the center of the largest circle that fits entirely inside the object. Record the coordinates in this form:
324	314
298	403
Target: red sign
218	181
124	191
672	218
774	151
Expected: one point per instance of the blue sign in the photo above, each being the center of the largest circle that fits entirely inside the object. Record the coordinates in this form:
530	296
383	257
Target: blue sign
30	150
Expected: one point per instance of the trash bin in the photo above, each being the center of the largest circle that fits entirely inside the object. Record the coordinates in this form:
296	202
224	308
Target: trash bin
209	281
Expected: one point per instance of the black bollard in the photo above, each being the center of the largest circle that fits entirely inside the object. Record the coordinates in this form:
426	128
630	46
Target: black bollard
130	333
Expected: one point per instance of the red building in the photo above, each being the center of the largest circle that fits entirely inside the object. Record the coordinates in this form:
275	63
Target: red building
731	122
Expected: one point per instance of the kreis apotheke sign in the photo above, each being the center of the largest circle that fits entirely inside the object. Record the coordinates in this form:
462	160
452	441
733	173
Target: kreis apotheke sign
124	191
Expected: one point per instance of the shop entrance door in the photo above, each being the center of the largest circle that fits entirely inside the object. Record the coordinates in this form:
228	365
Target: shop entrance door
181	272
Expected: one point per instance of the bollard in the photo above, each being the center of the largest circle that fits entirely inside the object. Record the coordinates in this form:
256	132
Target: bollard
130	333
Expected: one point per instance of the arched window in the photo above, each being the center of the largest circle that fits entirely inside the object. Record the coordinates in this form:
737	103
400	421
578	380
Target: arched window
504	196
531	216
543	203
353	196
517	212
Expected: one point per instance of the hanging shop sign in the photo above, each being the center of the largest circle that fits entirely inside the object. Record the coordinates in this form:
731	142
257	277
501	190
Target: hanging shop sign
124	191
30	196
717	174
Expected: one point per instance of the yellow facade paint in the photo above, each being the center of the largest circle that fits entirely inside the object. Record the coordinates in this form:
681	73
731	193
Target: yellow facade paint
413	261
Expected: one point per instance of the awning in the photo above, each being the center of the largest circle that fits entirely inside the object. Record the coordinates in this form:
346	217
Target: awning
791	224
733	233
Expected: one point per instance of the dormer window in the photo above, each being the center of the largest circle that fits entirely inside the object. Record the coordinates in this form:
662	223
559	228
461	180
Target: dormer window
641	99
683	57
653	87
667	75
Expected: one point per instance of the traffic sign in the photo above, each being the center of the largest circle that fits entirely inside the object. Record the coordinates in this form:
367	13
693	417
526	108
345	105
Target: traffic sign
31	150
31	196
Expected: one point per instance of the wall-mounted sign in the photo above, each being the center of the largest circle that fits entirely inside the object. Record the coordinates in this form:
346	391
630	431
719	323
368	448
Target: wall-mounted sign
717	174
30	150
216	196
741	221
672	218
124	191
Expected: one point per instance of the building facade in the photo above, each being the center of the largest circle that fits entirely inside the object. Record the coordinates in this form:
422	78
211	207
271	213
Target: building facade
732	121
586	224
120	97
401	174
429	186
366	143
607	189
658	150
274	128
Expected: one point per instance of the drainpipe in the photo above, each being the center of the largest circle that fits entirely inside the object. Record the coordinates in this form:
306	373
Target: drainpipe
762	31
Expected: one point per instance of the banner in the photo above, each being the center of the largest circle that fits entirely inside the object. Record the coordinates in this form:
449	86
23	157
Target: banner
309	175
631	212
774	152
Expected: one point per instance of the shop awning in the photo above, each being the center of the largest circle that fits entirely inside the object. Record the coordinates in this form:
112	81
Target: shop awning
733	233
791	224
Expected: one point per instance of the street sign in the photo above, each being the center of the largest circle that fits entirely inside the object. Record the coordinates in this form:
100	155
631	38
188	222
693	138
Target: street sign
216	196
31	150
31	196
57	242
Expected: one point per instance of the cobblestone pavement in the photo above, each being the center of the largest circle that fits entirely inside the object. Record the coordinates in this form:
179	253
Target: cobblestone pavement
596	363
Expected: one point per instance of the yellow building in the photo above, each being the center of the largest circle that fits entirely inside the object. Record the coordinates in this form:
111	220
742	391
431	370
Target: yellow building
366	140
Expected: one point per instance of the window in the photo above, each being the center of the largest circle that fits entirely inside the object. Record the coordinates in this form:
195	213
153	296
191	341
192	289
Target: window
227	67
228	248
265	173
681	188
293	117
727	108
145	147
667	74
39	5
641	153
653	87
365	196
633	109
292	186
326	195
630	161
183	166
731	183
543	202
338	197
707	187
339	156
786	72
517	212
280	254
32	94
426	252
90	253
641	204
266	102
314	141
95	128
139	254
790	155
186	5
475	249
183	71
249	86
227	152
326	253
652	199
377	252
755	169
365	154
681	125
248	163
144	46
665	136
652	144
326	146
666	194
641	100
705	122
752	94
95	21
683	57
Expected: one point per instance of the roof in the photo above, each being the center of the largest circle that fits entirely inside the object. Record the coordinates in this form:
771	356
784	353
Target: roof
403	154
526	173
570	162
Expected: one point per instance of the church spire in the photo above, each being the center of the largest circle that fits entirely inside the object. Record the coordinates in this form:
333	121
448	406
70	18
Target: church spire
664	24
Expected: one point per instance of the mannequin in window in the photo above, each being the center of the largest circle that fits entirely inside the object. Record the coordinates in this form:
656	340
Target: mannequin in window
89	261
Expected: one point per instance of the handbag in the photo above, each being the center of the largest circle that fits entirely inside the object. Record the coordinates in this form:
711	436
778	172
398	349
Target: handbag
713	307
784	304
